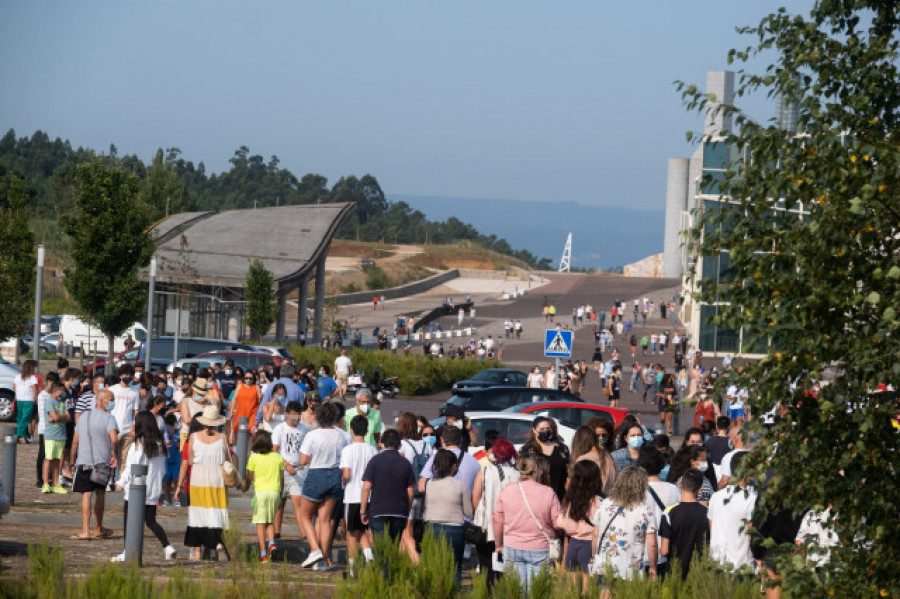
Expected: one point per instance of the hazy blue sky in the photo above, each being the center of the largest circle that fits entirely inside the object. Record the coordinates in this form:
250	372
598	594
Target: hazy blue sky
518	99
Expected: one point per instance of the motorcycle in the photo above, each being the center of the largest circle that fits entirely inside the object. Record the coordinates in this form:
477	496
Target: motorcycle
355	382
384	387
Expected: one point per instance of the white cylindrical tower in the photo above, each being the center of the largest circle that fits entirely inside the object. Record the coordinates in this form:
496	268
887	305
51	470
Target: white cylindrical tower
676	203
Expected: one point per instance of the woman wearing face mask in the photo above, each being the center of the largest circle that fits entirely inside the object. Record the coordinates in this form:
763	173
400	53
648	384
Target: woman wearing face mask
308	415
606	433
693	457
535	378
273	410
195	399
586	446
544	442
632	440
244	402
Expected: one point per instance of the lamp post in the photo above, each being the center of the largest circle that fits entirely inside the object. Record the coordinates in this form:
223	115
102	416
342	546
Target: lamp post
36	334
148	357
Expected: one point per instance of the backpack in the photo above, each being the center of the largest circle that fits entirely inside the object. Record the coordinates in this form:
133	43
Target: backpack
420	459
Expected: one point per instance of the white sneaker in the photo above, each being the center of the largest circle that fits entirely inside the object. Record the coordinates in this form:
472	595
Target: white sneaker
170	552
118	558
312	558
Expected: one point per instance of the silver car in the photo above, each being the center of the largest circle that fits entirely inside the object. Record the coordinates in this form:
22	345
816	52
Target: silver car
7	393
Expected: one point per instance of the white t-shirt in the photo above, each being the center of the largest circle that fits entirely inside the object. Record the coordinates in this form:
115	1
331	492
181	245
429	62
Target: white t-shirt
324	446
419	446
724	469
342	364
356	457
24	389
819	535
669	495
42	418
126	406
729	512
289	439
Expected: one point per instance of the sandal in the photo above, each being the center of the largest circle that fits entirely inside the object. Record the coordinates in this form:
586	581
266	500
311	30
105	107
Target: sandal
104	533
80	538
194	557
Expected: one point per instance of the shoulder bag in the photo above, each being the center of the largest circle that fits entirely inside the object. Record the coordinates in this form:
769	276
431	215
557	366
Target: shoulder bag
555	545
101	472
476	531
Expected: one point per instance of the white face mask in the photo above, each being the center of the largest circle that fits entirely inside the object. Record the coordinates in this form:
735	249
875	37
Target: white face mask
458	424
228	372
363	408
702	466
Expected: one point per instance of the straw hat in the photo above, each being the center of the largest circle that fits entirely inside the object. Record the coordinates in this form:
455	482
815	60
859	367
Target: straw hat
201	386
211	417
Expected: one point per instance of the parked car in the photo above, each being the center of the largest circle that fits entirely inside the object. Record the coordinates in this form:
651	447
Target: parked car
8	372
188	363
510	425
274	350
492	377
497	399
245	359
83	334
572	413
188	347
49	344
125	357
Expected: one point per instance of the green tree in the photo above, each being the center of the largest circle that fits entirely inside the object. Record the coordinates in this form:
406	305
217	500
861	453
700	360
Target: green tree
810	232
17	258
162	189
111	240
261	307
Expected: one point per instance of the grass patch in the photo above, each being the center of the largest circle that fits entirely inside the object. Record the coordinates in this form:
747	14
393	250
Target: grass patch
360	249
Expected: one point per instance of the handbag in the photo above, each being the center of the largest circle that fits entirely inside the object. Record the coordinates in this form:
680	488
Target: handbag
555	545
101	472
229	472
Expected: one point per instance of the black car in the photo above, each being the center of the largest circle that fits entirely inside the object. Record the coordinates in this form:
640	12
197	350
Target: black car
497	399
493	377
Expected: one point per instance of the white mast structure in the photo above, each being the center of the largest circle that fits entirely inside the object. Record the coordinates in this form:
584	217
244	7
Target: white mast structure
566	259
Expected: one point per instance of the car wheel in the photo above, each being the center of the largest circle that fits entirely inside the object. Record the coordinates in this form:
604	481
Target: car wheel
6	405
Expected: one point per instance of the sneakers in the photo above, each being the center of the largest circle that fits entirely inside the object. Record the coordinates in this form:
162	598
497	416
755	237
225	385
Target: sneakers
313	558
166	503
118	558
264	559
272	549
170	552
177	504
58	490
46	489
320	567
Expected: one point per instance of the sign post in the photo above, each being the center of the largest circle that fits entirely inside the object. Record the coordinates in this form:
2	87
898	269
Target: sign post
558	344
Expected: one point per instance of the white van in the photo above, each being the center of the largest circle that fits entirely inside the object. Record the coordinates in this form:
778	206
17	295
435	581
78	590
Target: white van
78	332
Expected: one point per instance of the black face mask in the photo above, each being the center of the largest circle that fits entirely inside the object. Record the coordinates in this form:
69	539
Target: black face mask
545	436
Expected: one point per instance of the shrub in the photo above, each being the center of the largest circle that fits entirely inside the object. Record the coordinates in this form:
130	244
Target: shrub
417	375
377	278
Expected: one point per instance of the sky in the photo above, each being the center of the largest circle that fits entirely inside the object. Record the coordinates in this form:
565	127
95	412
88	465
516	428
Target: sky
517	99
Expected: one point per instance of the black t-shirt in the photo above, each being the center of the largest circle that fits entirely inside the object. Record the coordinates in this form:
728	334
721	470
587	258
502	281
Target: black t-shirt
716	448
559	466
390	474
686	525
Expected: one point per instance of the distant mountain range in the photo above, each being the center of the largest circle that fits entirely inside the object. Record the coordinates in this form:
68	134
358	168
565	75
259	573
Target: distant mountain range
602	236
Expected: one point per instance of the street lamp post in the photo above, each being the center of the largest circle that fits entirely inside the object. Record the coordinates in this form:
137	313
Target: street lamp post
148	357
36	334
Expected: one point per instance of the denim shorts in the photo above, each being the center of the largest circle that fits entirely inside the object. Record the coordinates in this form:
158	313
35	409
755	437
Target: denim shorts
322	484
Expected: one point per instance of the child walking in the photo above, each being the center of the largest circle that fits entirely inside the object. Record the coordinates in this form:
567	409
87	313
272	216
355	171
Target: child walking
148	449
173	461
264	469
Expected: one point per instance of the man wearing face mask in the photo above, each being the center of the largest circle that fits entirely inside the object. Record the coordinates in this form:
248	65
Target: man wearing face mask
456	418
364	408
135	383
227	379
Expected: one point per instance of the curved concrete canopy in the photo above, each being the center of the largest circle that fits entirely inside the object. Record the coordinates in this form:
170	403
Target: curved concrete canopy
220	246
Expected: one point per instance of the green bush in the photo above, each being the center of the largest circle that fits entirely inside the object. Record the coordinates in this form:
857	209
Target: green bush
418	375
377	278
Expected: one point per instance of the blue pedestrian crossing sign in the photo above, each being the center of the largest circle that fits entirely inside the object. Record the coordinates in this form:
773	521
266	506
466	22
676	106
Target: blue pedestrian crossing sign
557	344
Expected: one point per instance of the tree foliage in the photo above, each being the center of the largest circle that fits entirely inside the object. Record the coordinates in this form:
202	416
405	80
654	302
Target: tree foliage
110	242
251	181
16	256
820	290
261	307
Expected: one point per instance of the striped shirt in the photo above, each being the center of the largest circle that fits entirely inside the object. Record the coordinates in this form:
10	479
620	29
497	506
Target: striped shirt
86	401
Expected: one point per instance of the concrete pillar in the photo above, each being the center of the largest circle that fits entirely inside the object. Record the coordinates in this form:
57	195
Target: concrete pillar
279	323
319	309
676	198
302	302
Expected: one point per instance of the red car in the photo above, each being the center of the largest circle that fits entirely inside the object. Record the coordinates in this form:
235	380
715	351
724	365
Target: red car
571	413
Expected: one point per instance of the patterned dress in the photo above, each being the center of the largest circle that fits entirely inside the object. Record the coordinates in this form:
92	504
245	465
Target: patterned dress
622	546
208	512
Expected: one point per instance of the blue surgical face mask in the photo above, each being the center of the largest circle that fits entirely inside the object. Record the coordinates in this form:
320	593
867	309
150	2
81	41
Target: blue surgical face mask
635	442
432	440
111	406
664	473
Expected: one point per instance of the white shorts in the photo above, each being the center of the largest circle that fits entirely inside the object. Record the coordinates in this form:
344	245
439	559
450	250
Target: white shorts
293	483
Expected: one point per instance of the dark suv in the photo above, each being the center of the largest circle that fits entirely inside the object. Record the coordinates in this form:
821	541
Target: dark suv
497	399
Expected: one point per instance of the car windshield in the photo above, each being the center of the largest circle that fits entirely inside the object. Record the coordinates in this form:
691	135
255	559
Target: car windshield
458	401
486	375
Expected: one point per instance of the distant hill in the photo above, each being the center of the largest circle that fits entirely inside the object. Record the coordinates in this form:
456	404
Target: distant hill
602	236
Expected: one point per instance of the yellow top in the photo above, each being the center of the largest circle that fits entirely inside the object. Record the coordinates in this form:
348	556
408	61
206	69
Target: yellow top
266	469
